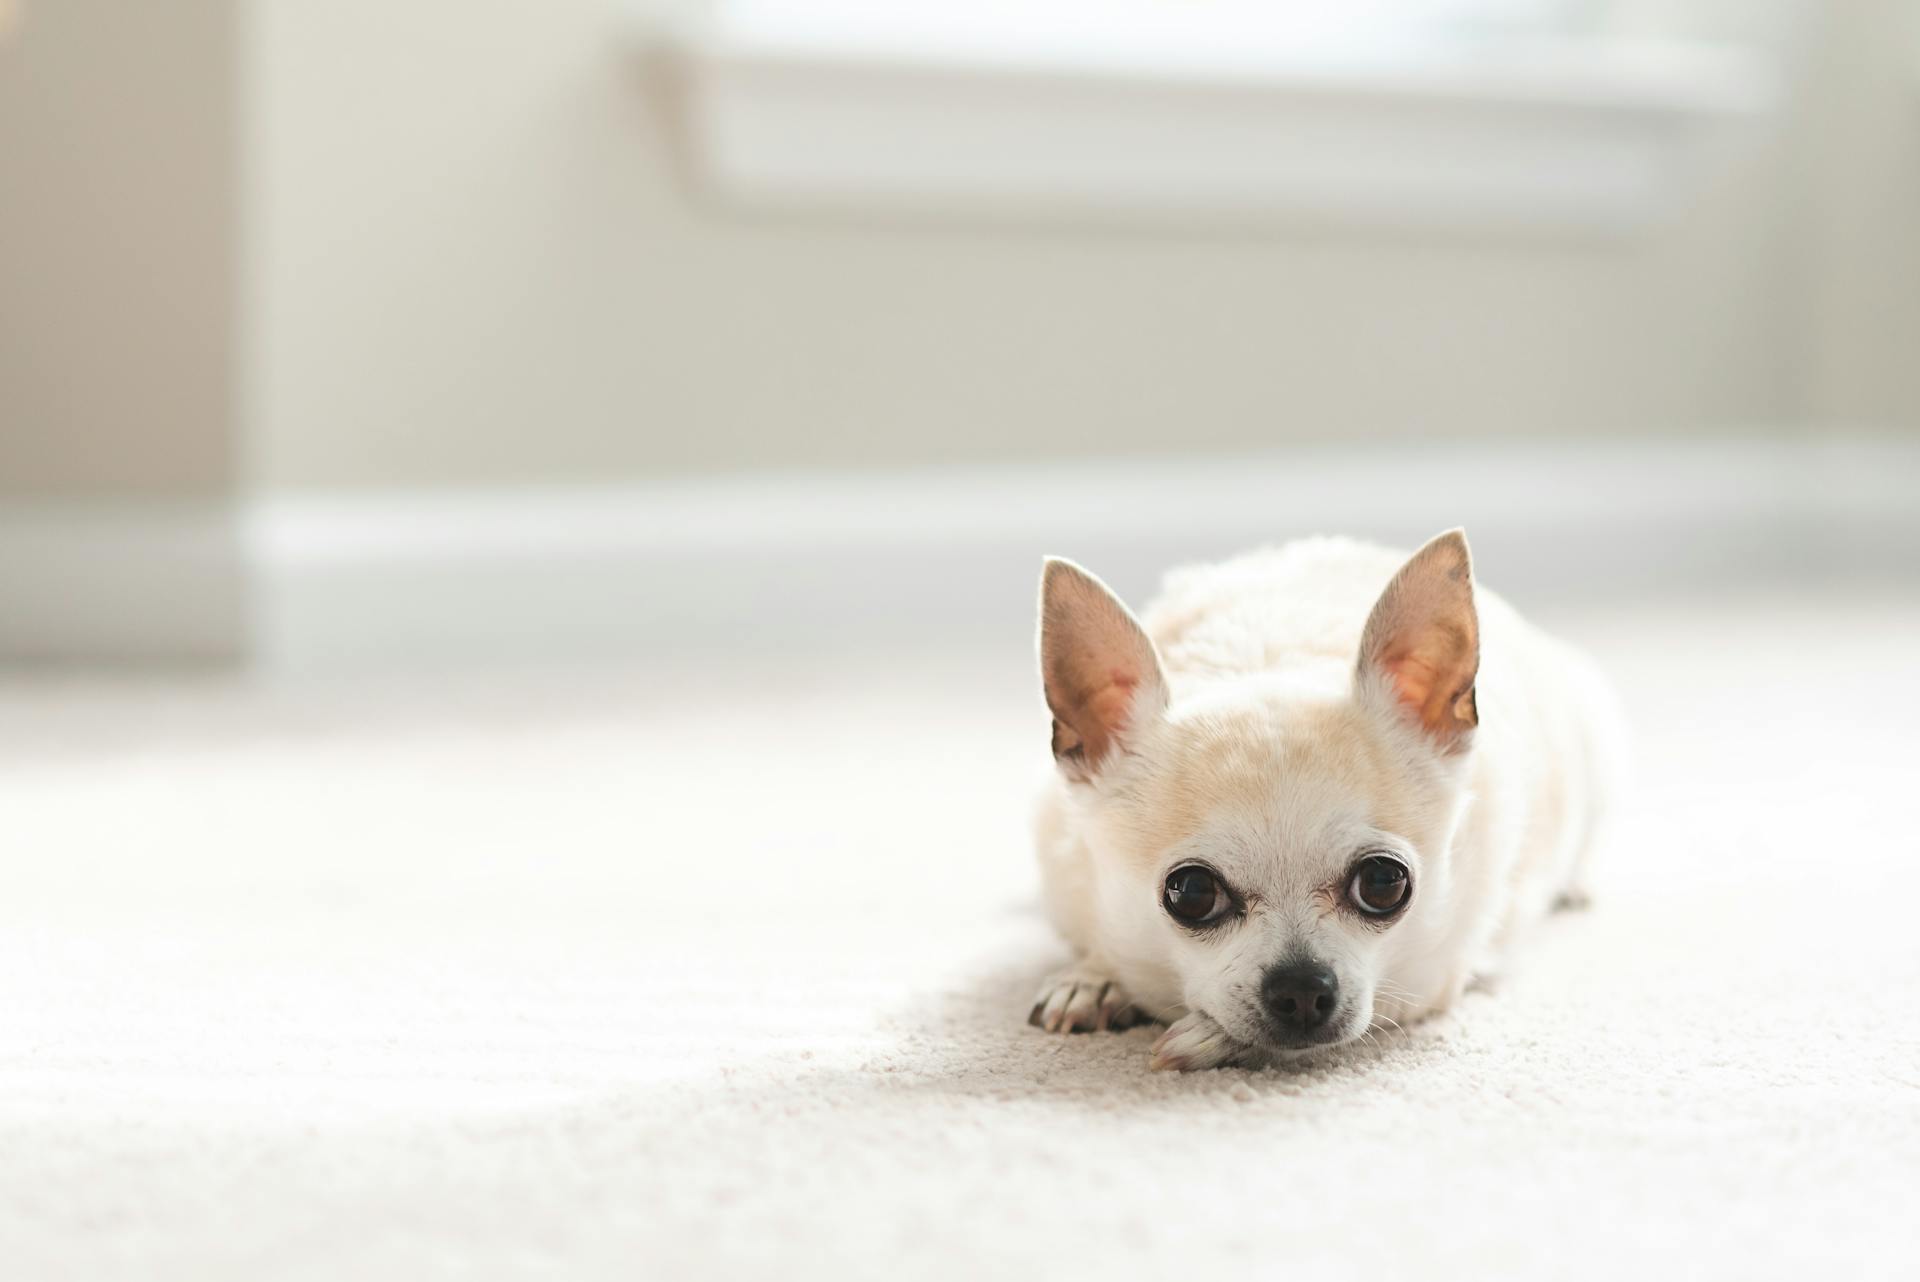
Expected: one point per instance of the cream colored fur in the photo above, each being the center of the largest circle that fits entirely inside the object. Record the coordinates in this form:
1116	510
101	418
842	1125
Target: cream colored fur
1257	739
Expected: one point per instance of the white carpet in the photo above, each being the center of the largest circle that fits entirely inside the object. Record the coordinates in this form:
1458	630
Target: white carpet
686	975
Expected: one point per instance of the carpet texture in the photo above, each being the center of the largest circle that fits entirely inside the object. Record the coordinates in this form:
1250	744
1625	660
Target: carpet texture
724	975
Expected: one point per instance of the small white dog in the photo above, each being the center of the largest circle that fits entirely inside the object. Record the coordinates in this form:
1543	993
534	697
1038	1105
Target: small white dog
1275	828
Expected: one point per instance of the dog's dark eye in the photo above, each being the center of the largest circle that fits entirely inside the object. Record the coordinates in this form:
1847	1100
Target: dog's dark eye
1380	885
1195	896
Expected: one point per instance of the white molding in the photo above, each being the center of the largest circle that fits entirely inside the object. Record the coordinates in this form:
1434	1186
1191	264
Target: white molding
846	564
1024	114
121	582
414	581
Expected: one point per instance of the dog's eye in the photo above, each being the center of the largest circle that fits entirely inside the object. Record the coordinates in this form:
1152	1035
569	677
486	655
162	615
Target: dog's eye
1195	896
1380	885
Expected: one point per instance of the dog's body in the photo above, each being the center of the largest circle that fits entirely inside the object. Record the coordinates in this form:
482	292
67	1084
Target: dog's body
1364	841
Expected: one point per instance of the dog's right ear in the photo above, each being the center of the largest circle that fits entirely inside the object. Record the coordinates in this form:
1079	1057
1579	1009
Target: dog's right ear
1101	673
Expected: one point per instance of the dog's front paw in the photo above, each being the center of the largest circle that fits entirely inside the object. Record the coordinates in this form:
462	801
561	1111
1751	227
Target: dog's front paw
1081	999
1195	1041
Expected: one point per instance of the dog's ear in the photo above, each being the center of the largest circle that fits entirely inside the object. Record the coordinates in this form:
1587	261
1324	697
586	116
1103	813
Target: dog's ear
1421	648
1101	674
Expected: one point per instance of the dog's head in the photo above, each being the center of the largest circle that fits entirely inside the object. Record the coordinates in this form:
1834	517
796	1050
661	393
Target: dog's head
1275	843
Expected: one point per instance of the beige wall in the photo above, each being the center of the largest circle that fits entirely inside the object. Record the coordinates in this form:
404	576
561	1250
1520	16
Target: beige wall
463	254
1861	183
480	266
117	249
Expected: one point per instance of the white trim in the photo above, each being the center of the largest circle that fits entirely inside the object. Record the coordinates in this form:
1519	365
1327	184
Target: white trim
929	558
1008	111
120	582
419	580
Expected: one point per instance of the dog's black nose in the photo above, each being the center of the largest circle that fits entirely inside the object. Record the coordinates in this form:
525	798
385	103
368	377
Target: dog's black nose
1300	995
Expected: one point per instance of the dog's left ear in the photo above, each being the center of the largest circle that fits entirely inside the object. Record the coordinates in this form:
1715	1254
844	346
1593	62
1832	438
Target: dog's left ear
1422	643
1100	671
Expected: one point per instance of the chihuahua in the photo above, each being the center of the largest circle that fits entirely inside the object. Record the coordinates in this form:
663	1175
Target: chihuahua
1278	819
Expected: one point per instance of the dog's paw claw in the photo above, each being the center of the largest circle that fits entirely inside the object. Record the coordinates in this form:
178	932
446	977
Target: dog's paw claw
1082	1001
1194	1042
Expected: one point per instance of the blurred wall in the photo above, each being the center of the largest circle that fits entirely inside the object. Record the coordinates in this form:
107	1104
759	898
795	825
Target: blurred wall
1860	180
463	253
118	258
479	264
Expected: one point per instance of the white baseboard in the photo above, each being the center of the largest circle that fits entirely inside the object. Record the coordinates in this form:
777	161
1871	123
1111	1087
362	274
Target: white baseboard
851	563
854	563
121	583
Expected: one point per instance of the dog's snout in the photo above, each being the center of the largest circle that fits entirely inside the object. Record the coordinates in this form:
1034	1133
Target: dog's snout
1300	996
